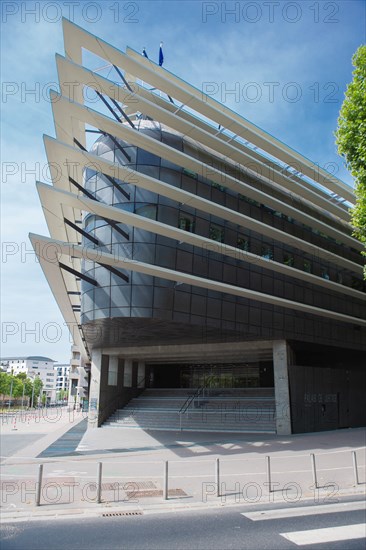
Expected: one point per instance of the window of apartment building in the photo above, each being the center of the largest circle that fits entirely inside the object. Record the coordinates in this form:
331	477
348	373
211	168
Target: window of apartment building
186	223
267	252
288	260
306	266
216	233
243	243
189	173
268	209
325	274
357	284
217	186
147	211
249	200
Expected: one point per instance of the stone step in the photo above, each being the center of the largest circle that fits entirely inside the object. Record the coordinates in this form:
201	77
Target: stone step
193	412
213	424
243	410
225	429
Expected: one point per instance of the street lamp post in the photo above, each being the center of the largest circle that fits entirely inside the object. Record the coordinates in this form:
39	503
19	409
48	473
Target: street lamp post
32	402
11	390
23	394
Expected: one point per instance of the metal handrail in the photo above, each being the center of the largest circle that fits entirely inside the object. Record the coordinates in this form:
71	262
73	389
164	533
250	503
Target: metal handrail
189	400
185	407
142	380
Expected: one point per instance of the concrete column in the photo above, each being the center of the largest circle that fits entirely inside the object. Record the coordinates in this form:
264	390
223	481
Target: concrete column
127	375
113	366
281	384
94	394
141	381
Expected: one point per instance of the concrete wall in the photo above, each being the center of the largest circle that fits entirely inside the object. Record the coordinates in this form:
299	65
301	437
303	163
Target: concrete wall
105	398
328	392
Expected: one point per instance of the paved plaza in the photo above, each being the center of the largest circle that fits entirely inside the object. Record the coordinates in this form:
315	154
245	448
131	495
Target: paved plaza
203	469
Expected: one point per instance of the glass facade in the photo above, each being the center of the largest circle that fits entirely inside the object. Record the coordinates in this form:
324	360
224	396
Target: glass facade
180	312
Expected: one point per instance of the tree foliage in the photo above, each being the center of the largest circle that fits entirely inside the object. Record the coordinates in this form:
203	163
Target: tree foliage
37	387
15	385
351	139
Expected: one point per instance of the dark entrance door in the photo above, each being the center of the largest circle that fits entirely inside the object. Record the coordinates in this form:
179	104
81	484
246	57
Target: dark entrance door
228	375
165	376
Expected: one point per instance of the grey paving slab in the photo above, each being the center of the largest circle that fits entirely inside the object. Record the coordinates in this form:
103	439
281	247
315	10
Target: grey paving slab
67	443
133	461
12	443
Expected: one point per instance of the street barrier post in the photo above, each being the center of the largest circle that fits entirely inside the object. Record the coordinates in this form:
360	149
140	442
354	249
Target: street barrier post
217	476
313	467
165	481
39	485
268	463
355	469
99	483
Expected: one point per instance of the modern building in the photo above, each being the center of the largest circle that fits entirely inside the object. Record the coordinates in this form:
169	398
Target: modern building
62	379
78	378
33	366
188	247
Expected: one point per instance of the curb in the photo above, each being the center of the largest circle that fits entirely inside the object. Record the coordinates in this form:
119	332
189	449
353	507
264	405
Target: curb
105	510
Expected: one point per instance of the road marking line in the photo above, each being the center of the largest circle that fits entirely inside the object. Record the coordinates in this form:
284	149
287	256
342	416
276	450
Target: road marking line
328	534
281	513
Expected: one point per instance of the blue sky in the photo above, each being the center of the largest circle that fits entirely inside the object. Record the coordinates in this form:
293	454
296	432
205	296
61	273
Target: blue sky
287	65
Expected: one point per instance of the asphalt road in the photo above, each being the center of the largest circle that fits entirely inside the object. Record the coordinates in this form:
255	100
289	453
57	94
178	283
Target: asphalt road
339	528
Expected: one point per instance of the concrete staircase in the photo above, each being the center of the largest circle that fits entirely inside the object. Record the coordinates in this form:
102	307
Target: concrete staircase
242	410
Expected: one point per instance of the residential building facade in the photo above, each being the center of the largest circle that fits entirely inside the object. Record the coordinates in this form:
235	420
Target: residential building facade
62	381
35	366
78	379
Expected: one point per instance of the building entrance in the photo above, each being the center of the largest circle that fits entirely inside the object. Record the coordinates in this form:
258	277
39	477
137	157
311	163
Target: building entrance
213	375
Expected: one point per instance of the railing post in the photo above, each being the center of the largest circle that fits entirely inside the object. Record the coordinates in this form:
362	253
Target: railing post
268	463
355	469
99	483
313	467
217	476
165	481
39	485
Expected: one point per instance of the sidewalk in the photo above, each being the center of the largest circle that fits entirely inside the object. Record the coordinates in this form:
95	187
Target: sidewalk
133	466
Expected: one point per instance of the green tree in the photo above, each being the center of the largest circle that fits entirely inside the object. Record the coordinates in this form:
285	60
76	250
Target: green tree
37	383
23	382
17	387
5	382
62	394
351	140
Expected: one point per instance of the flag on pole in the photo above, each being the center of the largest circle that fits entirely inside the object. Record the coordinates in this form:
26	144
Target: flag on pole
144	53
161	56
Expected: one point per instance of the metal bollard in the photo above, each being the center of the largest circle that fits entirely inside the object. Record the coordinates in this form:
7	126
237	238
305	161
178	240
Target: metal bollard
217	476
39	485
355	469
99	483
268	463
165	481
313	467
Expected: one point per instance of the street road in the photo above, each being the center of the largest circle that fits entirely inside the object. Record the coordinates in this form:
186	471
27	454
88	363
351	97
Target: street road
337	526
